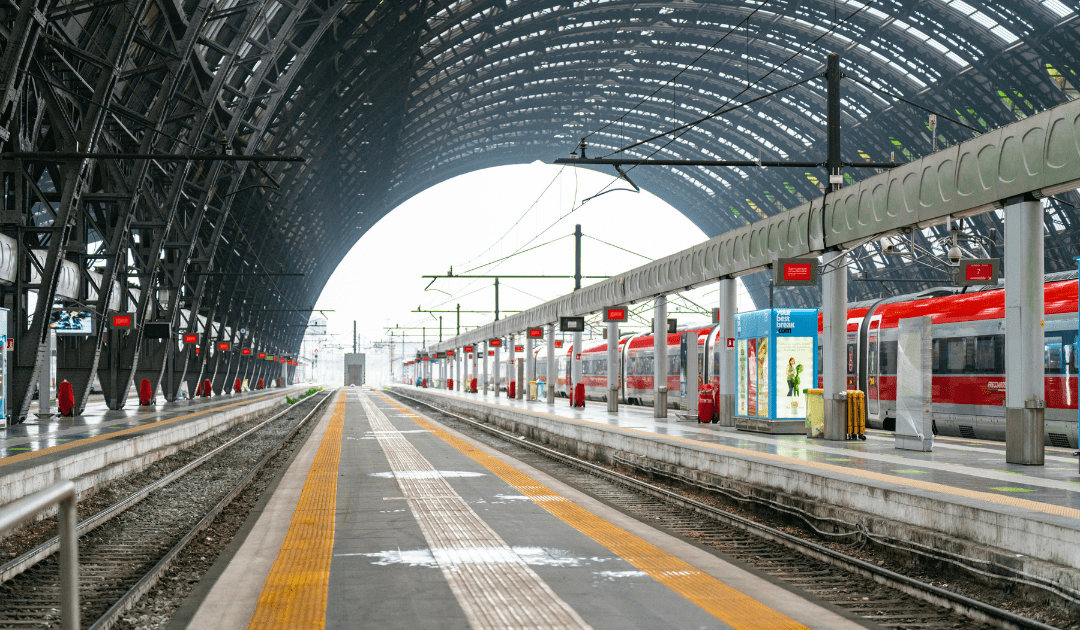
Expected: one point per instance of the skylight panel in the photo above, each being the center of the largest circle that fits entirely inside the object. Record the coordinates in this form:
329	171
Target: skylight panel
916	33
957	59
962	7
878	14
1004	34
1057	8
983	19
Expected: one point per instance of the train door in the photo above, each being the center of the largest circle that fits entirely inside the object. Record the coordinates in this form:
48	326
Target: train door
873	365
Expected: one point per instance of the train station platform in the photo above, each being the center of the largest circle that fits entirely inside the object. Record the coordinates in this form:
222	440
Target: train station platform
961	499
387	519
103	444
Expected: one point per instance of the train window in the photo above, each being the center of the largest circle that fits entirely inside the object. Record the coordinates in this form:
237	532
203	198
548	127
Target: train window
989	355
956	357
887	355
1053	354
1070	355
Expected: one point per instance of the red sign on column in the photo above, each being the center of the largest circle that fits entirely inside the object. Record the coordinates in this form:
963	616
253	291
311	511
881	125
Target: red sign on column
536	333
731	343
519	348
262	355
223	345
615	314
979	272
246	351
191	339
558	344
468	348
121	321
495	343
797	271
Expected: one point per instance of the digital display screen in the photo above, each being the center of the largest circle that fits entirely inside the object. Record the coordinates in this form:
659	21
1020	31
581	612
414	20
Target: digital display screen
72	322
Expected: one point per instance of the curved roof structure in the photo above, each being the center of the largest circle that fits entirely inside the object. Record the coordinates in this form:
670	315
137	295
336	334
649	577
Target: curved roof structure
387	98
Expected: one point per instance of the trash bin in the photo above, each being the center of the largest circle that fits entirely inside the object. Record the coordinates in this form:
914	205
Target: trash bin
706	405
579	395
450	384
541	389
532	390
511	392
815	413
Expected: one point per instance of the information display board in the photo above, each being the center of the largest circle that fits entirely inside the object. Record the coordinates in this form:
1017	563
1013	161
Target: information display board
776	361
71	322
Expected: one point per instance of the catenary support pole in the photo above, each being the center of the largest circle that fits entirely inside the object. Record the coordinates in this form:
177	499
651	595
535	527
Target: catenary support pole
660	366
725	370
613	366
834	346
551	379
1025	404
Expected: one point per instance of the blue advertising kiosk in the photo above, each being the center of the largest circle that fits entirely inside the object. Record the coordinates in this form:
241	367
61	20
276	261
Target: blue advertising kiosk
777	355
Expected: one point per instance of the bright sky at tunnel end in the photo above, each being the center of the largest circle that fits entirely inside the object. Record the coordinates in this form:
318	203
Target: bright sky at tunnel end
472	220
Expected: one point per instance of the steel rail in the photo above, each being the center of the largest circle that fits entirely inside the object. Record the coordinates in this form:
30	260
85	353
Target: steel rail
150	578
966	606
44	550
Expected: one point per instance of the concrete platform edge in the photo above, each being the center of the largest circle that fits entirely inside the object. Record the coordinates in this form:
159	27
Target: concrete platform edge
107	461
1046	549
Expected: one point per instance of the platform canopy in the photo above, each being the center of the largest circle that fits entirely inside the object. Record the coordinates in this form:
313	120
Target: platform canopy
385	98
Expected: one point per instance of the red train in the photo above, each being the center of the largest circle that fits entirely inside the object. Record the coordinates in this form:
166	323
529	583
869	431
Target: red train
968	360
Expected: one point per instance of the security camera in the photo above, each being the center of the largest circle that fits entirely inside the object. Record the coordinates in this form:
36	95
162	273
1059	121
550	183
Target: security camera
954	254
889	249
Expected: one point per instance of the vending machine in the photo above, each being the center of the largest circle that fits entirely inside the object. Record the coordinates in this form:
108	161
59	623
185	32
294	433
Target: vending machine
777	355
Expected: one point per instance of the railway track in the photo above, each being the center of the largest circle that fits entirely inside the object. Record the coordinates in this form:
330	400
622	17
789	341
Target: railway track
871	592
125	548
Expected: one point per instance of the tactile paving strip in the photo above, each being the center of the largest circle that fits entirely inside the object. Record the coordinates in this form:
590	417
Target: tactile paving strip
494	587
295	592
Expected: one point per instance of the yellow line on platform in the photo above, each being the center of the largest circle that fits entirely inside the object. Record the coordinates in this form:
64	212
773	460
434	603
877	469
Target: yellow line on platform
14	459
295	592
1027	504
727	604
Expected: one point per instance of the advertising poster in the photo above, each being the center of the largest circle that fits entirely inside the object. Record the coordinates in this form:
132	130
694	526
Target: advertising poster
752	384
742	378
763	377
794	373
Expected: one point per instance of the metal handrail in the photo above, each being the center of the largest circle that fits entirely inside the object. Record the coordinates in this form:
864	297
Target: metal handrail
18	512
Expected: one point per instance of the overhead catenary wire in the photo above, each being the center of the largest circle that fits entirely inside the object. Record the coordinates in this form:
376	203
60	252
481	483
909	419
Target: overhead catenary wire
719	110
678	74
913	104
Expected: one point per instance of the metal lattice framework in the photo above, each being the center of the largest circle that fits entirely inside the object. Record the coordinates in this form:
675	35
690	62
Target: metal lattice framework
386	99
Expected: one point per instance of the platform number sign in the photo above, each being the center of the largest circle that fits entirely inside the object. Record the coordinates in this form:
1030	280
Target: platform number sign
495	343
191	339
615	314
262	355
246	351
558	343
122	320
978	272
223	345
536	333
572	324
795	272
519	348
